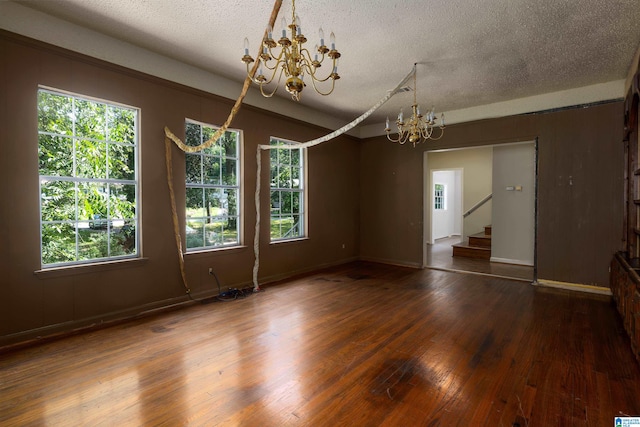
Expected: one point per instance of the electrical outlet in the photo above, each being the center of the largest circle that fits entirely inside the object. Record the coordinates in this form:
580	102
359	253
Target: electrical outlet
210	270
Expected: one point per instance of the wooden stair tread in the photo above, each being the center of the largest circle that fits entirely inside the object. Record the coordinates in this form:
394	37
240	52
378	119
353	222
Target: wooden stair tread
463	249
481	235
476	246
480	239
467	245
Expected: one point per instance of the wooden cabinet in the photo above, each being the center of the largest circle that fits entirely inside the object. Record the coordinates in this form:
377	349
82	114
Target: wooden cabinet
625	266
625	286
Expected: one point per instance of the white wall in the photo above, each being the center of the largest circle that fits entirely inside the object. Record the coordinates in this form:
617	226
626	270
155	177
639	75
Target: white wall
476	165
446	222
457	203
513	231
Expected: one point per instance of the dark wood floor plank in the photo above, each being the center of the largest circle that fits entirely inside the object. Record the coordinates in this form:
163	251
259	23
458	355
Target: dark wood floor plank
362	344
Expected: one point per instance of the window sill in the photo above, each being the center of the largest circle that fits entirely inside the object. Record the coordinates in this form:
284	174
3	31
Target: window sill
73	270
296	240
210	251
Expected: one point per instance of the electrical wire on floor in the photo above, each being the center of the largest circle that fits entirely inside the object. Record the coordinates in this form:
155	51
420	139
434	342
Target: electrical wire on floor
231	294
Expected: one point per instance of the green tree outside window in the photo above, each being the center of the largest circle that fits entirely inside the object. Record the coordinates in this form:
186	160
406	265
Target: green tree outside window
88	181
212	189
287	191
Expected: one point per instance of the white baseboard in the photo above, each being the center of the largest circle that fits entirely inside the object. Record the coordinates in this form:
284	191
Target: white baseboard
511	261
574	287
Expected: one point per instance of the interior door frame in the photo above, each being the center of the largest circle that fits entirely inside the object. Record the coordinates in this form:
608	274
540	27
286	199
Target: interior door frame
428	201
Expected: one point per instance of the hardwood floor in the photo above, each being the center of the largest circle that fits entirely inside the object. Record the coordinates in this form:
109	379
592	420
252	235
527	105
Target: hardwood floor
440	256
358	345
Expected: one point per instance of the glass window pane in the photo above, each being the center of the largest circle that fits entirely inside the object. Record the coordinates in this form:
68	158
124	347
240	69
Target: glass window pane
195	233
287	196
83	216
58	243
274	175
284	157
55	155
193	168
207	134
122	201
230	235
275	229
295	157
286	199
229	144
57	201
229	172
211	170
231	203
93	243
284	177
295	203
214	202
92	204
91	159
55	113
123	238
90	119
213	233
121	161
121	124
296	182
275	201
195	206
192	134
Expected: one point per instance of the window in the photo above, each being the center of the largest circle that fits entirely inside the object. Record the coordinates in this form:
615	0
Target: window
87	154
438	197
213	189
287	191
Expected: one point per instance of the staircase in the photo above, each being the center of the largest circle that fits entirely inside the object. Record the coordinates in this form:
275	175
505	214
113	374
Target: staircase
478	246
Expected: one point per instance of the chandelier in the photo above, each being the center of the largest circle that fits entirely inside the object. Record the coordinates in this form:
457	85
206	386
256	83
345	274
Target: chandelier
293	60
419	128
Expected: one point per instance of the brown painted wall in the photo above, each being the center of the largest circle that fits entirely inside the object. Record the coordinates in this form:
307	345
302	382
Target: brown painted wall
579	225
39	304
366	195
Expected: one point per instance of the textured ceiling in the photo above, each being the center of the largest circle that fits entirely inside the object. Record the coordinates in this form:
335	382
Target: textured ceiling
470	53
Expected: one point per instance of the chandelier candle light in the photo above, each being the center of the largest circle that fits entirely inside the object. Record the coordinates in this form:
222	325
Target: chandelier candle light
418	128
293	60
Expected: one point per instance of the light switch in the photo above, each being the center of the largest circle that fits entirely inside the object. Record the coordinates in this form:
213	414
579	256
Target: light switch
510	188
518	187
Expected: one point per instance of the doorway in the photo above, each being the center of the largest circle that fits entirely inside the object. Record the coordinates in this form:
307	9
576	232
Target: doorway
483	172
446	206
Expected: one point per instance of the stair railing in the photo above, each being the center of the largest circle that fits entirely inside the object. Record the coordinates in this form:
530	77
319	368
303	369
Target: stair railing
477	205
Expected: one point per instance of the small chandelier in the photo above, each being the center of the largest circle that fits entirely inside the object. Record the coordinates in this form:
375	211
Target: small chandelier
293	60
418	128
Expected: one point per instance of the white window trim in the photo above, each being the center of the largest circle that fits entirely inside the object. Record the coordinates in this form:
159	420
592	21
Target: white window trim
304	190
136	182
443	198
240	188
